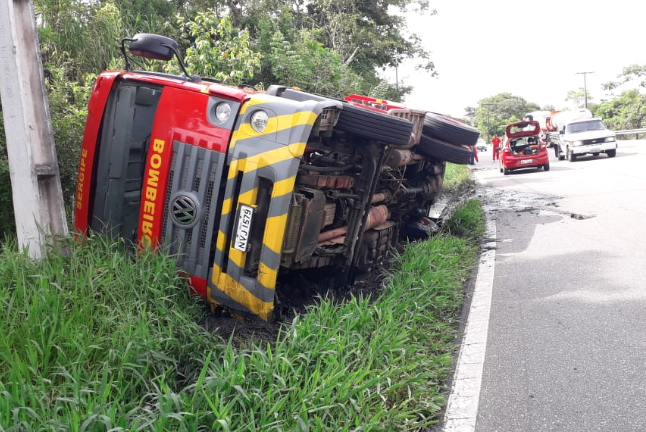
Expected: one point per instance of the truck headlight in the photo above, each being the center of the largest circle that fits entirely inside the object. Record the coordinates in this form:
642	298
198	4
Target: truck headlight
610	139
259	120
577	143
223	111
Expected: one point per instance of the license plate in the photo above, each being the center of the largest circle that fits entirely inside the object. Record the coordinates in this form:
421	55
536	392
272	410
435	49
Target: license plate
244	227
526	161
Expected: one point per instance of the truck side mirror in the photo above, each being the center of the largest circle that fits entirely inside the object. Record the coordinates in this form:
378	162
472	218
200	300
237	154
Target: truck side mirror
153	46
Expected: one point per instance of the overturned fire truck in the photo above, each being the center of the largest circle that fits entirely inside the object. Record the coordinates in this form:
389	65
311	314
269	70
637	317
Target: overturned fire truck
241	185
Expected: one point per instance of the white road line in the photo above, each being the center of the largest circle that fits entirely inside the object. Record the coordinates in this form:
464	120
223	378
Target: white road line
462	406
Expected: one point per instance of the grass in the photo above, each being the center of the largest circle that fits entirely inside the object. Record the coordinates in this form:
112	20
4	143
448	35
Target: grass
87	337
467	222
457	177
95	342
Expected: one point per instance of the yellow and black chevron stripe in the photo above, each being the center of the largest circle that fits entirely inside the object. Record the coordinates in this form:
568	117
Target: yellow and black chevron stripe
259	164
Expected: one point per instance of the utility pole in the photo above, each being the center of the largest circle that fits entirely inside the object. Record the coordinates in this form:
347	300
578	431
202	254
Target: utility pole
585	87
35	180
397	78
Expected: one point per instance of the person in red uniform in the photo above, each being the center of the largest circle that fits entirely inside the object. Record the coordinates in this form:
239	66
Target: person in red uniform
474	155
496	147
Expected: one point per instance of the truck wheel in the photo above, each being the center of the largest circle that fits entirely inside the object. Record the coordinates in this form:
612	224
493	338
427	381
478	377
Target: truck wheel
358	121
571	156
449	130
374	125
437	149
611	153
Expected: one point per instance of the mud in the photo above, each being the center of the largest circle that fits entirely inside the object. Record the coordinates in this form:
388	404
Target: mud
495	200
296	294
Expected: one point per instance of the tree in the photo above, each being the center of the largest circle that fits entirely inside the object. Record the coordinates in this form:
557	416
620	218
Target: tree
218	50
630	73
493	114
365	34
577	98
308	65
628	111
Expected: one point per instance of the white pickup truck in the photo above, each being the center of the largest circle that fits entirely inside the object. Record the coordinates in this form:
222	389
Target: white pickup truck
583	136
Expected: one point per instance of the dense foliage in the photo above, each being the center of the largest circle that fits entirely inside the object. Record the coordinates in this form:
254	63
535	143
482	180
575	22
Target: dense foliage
628	110
332	47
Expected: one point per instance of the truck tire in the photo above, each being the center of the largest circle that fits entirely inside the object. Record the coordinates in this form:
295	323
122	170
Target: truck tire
437	149
369	124
570	155
361	122
449	130
559	153
611	153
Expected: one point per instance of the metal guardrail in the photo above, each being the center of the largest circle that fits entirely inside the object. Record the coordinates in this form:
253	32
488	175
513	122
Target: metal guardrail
630	131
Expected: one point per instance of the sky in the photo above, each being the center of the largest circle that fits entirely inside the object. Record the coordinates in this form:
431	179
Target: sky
529	49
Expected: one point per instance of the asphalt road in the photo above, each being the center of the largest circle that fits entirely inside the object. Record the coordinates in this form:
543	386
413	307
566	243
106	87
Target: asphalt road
566	336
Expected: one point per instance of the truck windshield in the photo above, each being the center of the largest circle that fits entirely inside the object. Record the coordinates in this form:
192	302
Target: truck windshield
585	126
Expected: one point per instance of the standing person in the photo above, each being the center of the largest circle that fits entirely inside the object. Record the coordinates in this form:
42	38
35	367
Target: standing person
496	147
474	155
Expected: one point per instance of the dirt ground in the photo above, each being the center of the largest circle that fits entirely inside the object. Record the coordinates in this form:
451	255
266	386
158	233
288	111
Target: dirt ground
295	295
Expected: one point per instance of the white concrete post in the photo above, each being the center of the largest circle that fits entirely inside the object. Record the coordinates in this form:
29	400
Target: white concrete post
35	181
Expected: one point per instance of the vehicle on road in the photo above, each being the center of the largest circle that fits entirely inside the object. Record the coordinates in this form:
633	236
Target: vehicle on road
481	145
585	136
575	133
523	148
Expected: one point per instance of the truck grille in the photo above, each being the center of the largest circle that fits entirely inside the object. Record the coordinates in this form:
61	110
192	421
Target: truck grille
189	210
594	141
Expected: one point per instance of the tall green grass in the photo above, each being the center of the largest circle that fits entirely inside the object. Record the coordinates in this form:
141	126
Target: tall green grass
457	177
87	339
98	342
468	222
